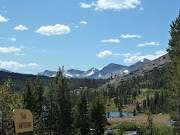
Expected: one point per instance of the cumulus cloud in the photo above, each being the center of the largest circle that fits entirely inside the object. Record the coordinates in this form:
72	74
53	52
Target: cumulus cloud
83	5
32	65
132	57
3	19
109	53
131	36
12	39
11	64
15	65
113	4
9	49
104	54
57	29
148	43
124	54
137	57
111	40
20	28
83	22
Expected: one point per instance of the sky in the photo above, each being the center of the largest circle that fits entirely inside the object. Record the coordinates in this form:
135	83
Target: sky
38	35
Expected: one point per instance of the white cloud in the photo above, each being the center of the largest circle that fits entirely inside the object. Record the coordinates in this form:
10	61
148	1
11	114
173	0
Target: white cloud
32	65
83	5
15	65
111	40
83	22
3	19
141	8
131	36
137	57
104	54
148	43
125	54
57	29
109	53
76	26
12	39
20	28
113	4
9	49
11	64
160	52
19	54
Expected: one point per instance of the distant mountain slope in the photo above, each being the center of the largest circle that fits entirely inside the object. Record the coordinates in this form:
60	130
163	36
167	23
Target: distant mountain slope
148	67
73	73
107	70
104	73
48	73
138	64
89	73
128	69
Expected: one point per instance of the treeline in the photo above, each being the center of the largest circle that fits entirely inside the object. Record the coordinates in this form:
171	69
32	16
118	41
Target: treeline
52	108
155	105
75	83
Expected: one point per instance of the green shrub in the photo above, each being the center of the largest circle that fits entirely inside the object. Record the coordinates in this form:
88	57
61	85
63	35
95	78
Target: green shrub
127	126
164	129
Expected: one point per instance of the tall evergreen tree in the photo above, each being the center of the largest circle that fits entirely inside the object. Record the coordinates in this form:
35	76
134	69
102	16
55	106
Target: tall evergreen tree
38	107
81	114
38	91
98	115
64	105
174	72
137	107
28	95
50	104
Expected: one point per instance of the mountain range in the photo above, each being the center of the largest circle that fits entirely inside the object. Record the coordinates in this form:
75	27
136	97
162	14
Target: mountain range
111	69
148	67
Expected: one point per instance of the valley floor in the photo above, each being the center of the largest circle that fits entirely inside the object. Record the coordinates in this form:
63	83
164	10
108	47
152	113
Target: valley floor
141	119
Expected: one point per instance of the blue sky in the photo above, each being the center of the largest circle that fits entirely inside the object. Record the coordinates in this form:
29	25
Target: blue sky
36	35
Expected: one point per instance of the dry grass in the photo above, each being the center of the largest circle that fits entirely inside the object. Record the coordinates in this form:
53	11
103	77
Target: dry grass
141	119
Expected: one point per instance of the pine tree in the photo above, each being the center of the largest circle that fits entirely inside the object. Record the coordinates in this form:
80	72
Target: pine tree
81	114
137	107
64	105
134	113
148	102
28	95
98	115
150	130
50	103
38	91
174	72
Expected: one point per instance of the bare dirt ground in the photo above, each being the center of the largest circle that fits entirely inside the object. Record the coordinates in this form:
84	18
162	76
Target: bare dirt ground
141	119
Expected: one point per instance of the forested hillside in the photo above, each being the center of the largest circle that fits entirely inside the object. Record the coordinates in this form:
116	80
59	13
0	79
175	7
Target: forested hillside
75	83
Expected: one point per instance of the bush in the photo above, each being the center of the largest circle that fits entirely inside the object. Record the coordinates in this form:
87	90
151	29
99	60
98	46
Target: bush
127	126
164	130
